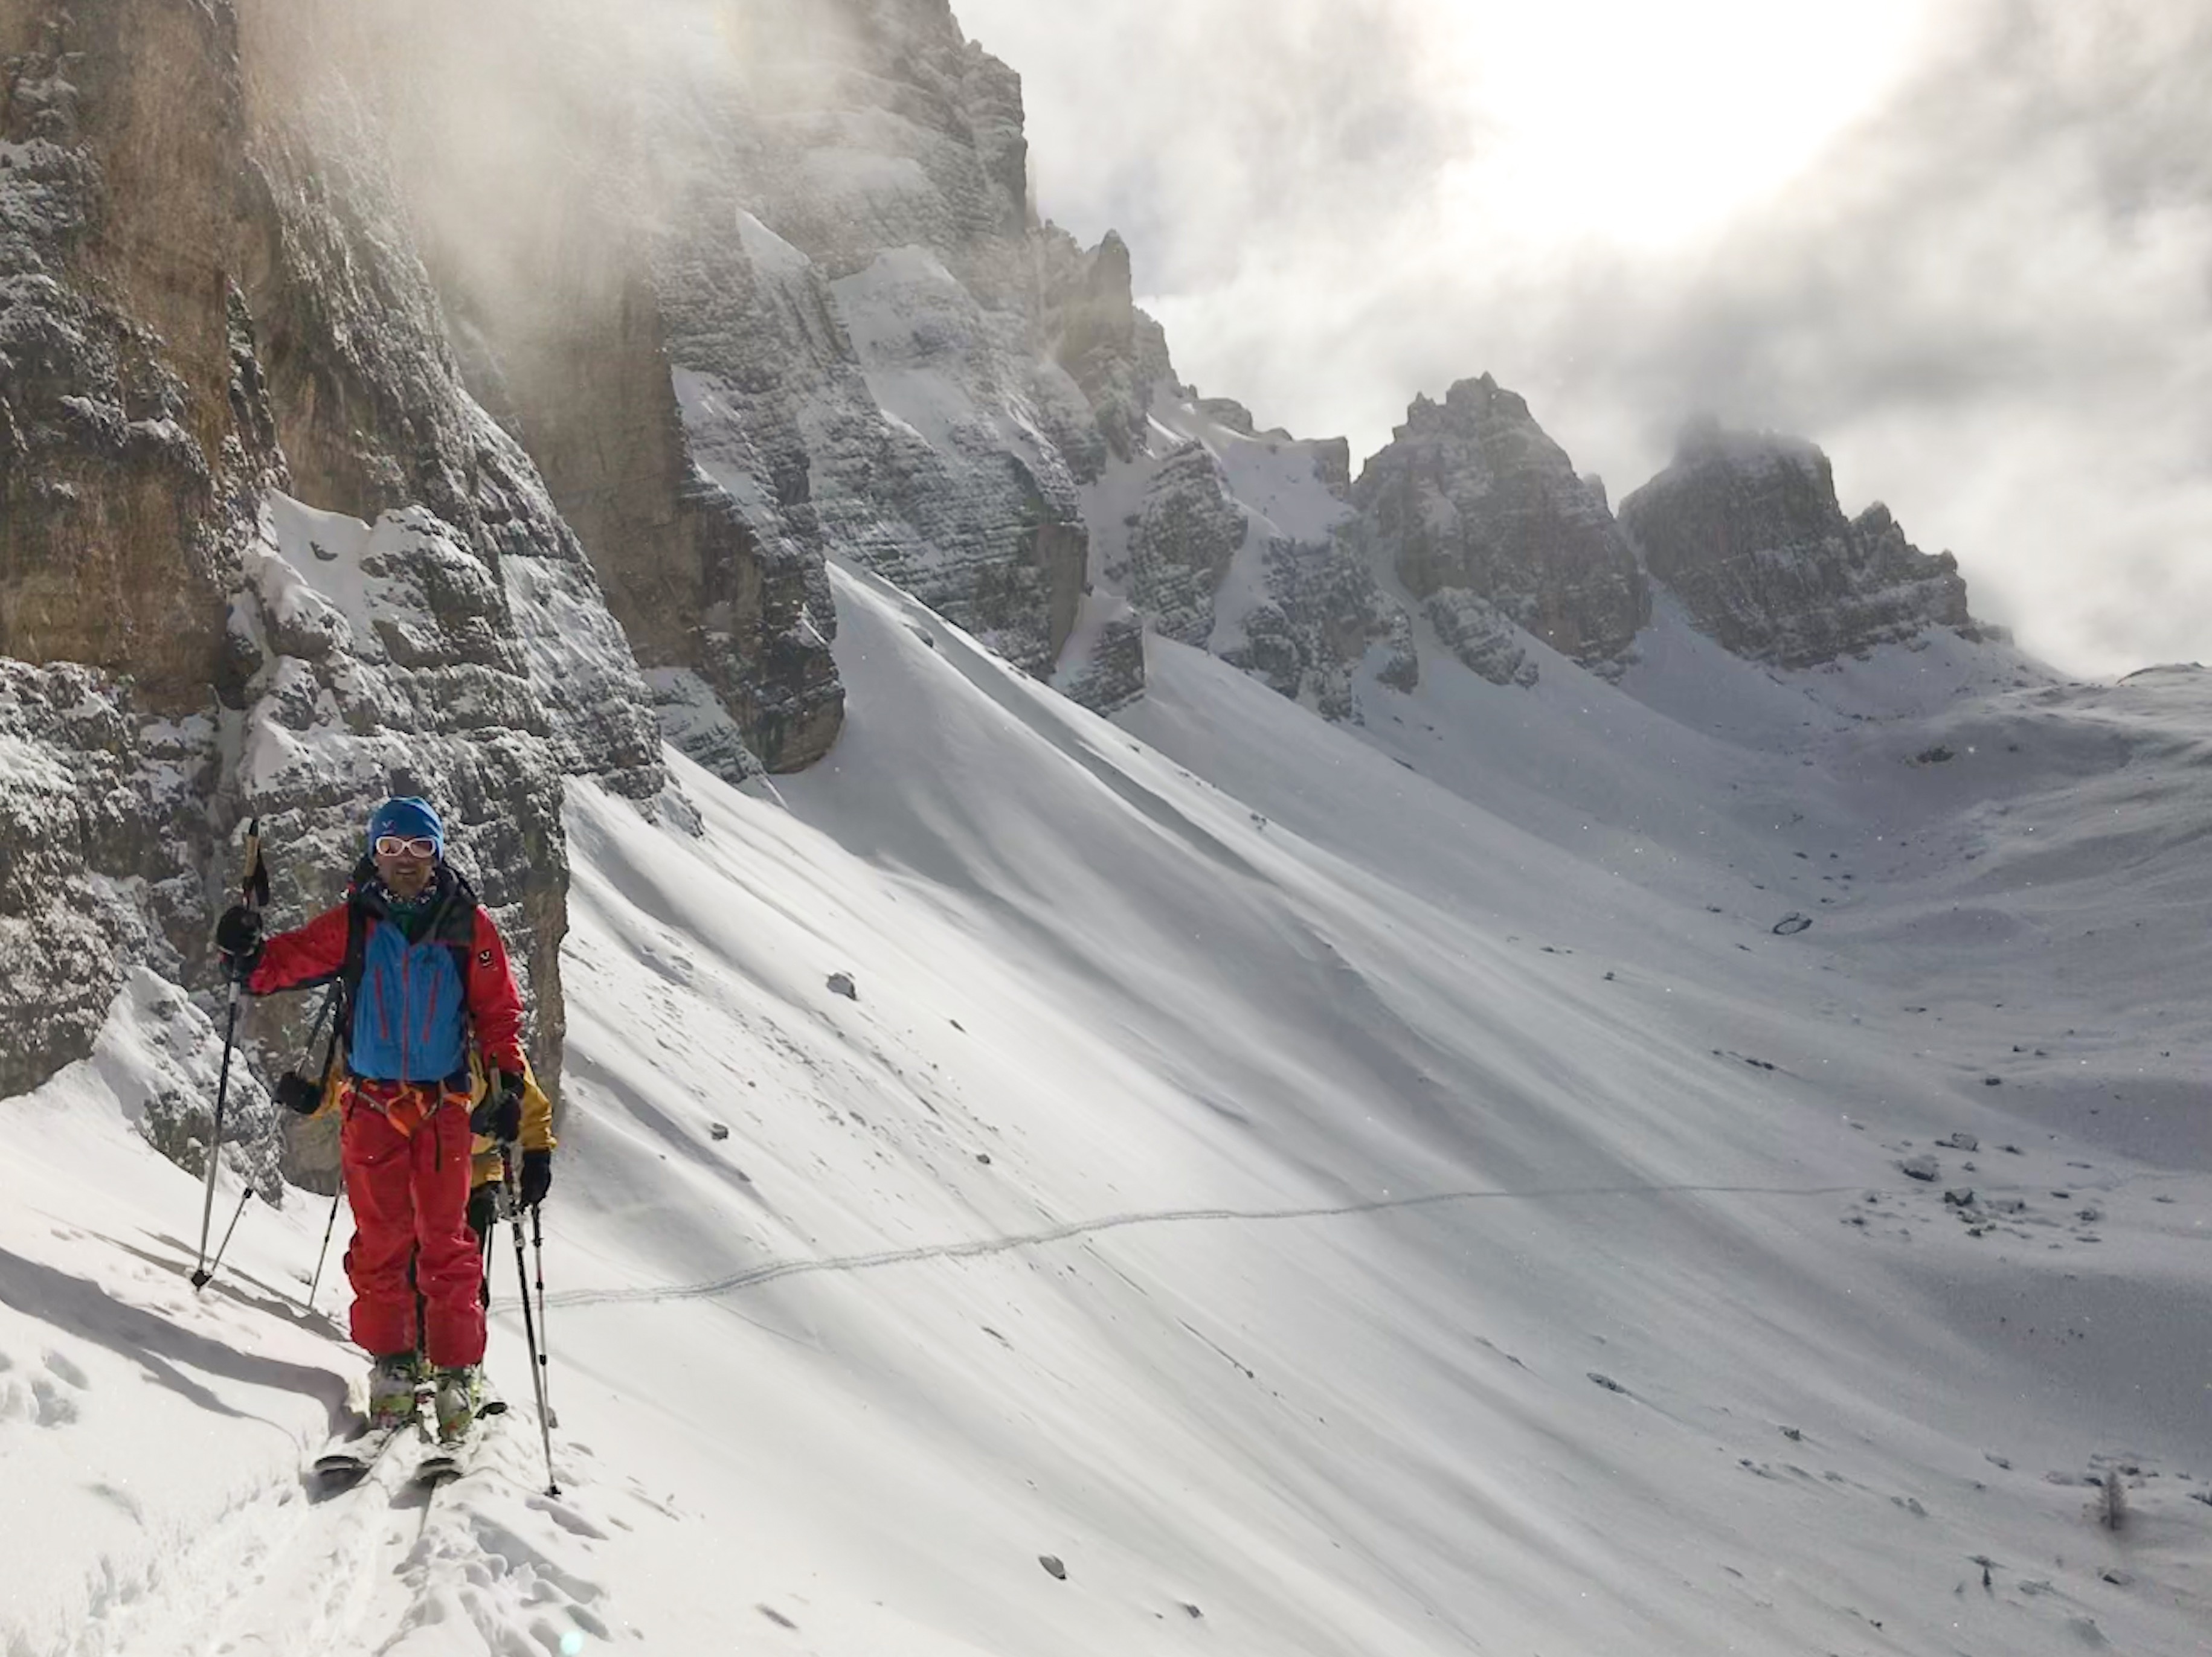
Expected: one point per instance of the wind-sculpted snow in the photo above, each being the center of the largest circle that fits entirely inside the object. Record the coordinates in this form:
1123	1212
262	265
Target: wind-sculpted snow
1035	1183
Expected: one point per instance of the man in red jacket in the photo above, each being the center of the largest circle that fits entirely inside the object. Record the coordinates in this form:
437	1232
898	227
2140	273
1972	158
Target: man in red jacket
424	971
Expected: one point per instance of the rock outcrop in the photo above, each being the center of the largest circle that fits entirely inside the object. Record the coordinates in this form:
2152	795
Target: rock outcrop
263	551
1483	520
1746	529
880	354
538	238
133	439
858	370
1187	532
1231	539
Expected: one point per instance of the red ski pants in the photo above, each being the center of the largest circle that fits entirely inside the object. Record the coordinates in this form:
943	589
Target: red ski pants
410	1195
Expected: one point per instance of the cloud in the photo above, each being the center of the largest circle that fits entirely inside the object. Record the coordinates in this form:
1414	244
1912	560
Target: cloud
1986	288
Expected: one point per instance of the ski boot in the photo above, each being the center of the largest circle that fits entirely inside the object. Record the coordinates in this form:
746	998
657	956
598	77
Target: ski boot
460	1398
392	1383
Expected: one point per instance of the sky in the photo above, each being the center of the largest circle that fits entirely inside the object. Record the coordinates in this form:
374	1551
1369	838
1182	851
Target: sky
1965	246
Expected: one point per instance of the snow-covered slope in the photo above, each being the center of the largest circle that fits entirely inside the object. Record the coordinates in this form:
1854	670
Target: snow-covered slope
1267	1188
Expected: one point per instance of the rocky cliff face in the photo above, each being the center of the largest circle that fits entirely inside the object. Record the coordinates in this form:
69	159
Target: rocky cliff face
1483	518
459	399
129	440
132	442
528	184
264	550
1747	529
859	322
880	354
1216	534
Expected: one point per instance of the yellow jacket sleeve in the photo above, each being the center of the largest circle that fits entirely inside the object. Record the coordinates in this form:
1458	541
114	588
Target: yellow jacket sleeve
537	1122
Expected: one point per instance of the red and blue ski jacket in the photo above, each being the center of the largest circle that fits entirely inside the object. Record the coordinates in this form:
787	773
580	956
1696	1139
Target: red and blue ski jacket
413	1004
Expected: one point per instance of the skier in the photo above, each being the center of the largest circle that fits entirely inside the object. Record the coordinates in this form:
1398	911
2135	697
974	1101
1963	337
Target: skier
426	968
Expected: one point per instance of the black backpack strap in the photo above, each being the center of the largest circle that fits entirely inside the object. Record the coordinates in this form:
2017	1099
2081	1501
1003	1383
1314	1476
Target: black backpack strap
345	988
456	931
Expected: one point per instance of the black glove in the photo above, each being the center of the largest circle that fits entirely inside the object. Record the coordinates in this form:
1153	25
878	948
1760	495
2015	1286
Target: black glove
499	1116
537	1176
237	937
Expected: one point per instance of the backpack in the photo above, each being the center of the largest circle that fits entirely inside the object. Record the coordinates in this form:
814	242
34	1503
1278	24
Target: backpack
338	1006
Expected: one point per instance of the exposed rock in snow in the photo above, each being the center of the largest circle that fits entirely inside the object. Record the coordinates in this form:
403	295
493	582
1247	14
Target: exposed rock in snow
1320	613
1472	504
880	356
100	848
581	368
1188	531
1747	528
1233	540
1116	354
1480	636
1111	673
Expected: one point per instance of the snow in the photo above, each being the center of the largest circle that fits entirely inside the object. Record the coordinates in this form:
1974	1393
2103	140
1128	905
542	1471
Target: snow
1331	1207
29	767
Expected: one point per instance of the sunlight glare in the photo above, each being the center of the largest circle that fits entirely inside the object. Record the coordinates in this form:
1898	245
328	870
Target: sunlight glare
1621	121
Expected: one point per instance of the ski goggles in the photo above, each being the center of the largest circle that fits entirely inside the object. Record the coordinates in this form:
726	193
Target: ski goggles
406	846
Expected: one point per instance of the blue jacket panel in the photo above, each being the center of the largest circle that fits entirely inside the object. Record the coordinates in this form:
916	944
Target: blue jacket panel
410	1017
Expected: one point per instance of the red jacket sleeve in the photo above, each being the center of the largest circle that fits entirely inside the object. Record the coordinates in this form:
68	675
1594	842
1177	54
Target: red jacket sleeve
311	954
495	1005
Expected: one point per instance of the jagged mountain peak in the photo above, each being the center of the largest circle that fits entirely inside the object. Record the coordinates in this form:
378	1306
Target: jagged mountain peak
1483	520
1748	528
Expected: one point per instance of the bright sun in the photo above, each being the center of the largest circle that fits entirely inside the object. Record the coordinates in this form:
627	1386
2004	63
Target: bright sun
1626	121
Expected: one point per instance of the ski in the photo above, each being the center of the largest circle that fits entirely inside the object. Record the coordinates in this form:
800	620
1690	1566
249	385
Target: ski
446	1460
349	1456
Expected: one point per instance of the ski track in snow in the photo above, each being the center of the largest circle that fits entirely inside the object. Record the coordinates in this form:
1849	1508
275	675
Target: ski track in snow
384	1566
770	1272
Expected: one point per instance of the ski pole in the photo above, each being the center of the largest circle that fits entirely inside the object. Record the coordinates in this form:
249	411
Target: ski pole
530	1330
545	1343
329	1226
223	1248
252	888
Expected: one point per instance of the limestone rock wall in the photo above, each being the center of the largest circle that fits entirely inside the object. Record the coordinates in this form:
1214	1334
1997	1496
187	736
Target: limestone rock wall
1747	528
133	440
263	551
880	355
1480	514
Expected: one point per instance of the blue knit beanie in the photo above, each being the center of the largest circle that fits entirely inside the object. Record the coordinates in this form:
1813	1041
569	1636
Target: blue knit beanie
409	816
